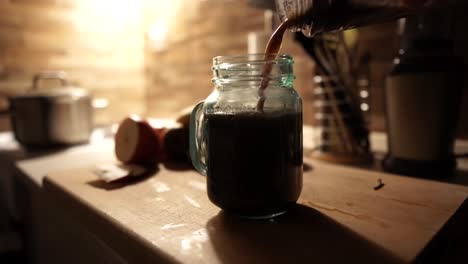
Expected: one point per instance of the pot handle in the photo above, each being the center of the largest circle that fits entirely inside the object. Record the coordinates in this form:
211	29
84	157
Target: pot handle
50	75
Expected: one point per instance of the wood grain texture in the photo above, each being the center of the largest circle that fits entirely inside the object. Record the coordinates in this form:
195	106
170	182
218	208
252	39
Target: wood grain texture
341	218
100	51
180	75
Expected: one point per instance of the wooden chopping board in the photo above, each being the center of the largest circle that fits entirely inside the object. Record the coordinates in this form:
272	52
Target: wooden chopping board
340	219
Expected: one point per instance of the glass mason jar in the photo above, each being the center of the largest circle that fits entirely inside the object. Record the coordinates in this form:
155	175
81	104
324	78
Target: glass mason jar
252	157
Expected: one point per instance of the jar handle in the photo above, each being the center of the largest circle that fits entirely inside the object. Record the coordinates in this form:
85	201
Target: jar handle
197	139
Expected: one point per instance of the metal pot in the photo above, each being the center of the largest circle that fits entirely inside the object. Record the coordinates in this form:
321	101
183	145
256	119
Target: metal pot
51	117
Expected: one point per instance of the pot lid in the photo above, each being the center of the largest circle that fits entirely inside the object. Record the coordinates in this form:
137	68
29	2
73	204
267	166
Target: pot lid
64	91
56	92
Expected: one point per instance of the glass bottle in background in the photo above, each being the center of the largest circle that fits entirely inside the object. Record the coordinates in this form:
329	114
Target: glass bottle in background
423	93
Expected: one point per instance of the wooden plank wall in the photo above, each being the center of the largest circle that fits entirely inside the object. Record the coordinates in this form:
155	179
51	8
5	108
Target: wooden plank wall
99	44
180	74
105	47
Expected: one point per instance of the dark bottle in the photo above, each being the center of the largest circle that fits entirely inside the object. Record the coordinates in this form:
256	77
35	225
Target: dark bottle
423	92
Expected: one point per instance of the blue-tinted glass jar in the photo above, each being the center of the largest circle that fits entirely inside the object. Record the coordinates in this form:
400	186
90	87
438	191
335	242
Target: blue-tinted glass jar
252	156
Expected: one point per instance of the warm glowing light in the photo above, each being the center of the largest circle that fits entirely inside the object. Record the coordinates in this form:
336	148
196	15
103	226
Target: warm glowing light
364	94
365	107
165	17
157	36
100	103
98	135
108	15
111	27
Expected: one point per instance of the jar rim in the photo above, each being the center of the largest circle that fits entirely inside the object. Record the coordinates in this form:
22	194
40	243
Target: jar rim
250	69
252	58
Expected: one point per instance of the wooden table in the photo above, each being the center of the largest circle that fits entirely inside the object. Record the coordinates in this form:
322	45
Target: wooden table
340	219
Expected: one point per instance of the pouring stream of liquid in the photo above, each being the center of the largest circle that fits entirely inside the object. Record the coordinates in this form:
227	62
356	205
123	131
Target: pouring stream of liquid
271	53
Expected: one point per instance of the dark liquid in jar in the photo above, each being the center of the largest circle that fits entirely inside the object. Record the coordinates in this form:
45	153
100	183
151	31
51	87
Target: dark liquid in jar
254	161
